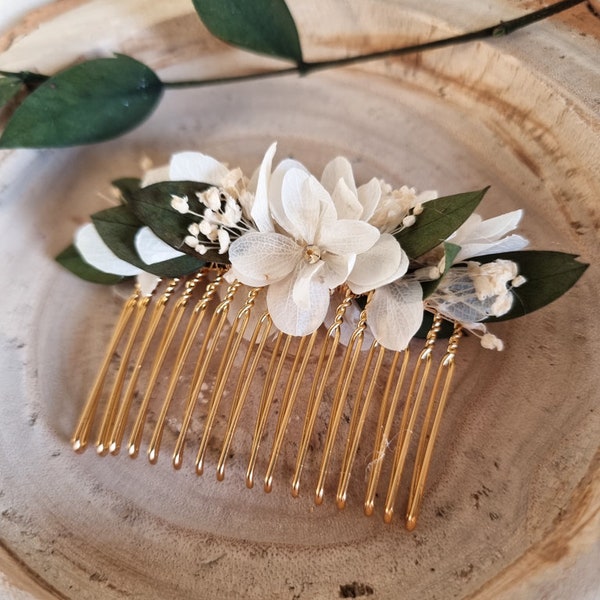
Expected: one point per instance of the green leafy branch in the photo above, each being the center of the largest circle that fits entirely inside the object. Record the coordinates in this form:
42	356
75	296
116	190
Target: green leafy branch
104	98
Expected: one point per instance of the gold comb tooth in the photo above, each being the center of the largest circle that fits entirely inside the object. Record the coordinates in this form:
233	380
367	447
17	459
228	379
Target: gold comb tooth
384	424
246	376
289	398
429	434
80	437
196	319
172	286
266	401
221	313
358	418
347	369
324	365
409	415
159	309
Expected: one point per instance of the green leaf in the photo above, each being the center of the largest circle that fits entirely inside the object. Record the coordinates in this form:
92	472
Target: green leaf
70	259
439	219
118	227
94	101
548	276
126	186
9	88
263	26
450	253
152	205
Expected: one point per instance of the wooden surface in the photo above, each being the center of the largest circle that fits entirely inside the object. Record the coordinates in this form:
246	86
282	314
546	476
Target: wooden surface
513	501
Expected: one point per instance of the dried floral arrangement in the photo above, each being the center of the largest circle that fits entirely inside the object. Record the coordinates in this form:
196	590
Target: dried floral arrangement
371	264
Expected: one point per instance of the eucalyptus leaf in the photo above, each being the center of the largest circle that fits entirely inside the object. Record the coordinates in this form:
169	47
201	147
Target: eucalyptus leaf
152	205
450	253
439	219
548	276
70	259
91	102
9	88
263	26
118	227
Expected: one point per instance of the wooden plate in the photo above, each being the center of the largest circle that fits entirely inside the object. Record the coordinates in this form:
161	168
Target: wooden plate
513	499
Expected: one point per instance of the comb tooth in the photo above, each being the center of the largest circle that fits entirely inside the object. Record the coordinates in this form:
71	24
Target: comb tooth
80	437
194	323
384	425
157	364
357	420
271	380
296	375
324	365
245	378
409	416
206	349
429	433
349	362
221	313
157	313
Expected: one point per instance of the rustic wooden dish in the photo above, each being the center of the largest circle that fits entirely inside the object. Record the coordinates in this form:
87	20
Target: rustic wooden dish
513	502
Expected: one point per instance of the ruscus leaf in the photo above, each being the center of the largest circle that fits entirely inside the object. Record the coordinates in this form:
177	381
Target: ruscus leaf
548	276
439	219
118	227
152	205
71	260
9	88
126	186
91	102
263	26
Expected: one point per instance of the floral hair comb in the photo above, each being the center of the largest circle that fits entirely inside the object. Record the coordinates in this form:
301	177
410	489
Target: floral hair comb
286	297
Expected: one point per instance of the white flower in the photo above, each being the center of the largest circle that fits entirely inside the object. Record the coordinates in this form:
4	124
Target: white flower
302	249
478	237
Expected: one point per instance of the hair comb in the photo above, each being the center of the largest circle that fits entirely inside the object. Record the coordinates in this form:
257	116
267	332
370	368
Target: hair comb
287	299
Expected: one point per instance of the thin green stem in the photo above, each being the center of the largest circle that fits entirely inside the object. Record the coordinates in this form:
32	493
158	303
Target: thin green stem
498	30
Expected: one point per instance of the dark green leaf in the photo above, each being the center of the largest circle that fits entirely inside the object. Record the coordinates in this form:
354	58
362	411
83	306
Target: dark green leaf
152	205
439	219
264	26
90	102
118	226
70	259
549	275
450	252
9	88
126	186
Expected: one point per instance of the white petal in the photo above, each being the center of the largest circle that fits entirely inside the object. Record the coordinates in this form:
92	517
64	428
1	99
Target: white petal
275	191
97	254
395	313
493	229
346	203
338	168
155	176
347	237
383	263
194	166
510	243
369	196
302	207
302	286
287	315
152	249
336	269
147	282
263	258
260	209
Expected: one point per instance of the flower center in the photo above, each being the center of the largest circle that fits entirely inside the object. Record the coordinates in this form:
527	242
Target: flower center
312	254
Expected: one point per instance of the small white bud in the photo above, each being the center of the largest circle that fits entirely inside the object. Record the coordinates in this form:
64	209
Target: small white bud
409	220
490	342
194	229
180	204
518	281
191	241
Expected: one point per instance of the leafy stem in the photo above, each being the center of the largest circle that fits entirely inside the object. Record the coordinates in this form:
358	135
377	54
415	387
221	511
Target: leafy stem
500	29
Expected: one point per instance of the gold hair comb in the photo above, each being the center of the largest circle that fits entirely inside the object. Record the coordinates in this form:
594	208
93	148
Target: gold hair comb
294	300
207	336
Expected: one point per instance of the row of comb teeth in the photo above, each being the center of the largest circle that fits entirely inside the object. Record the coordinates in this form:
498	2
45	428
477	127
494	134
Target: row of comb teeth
224	340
